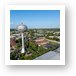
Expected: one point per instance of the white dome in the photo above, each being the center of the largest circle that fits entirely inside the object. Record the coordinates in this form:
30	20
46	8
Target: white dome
22	27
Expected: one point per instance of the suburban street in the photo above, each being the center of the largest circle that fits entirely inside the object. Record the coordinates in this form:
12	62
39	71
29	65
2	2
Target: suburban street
53	41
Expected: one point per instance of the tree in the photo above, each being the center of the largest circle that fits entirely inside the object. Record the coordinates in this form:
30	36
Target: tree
57	39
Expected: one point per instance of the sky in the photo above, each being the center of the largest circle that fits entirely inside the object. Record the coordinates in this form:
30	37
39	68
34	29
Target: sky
35	18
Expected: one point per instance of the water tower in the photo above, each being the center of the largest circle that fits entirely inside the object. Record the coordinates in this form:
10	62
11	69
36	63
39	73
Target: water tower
21	28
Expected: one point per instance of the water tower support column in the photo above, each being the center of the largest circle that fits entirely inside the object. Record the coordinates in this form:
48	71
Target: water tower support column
23	50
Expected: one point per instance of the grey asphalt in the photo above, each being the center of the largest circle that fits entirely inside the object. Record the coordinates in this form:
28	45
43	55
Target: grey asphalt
52	55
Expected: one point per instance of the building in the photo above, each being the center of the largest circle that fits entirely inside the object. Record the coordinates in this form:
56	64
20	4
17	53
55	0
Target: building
41	41
12	44
51	36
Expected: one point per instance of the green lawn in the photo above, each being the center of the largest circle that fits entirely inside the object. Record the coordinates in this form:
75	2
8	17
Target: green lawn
34	49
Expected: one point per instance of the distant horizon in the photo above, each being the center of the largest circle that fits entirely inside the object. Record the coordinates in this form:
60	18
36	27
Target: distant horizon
35	18
39	28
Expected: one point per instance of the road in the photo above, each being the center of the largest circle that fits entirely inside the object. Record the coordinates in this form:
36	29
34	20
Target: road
53	41
52	55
